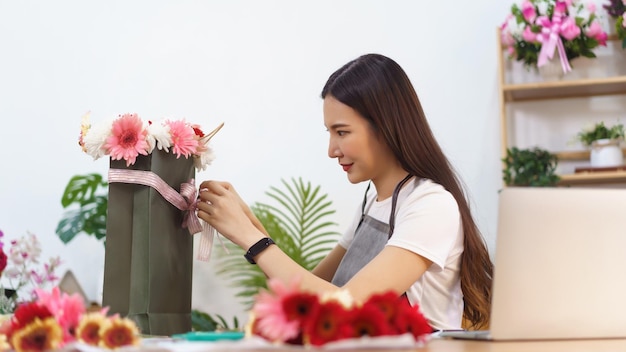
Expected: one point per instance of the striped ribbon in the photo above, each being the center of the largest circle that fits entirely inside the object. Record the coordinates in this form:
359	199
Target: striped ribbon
186	201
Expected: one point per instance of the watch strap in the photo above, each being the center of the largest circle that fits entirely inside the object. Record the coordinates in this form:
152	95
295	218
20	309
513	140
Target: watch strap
257	248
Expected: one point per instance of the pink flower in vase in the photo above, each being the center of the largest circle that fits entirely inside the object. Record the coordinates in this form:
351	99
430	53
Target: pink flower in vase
591	7
528	10
596	32
128	139
529	35
569	29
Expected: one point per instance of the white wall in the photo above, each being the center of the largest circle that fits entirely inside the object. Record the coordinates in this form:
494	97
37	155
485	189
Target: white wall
258	66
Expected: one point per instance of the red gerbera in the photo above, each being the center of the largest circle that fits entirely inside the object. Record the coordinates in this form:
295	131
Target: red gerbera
387	302
369	320
25	314
299	306
3	261
410	319
197	131
331	323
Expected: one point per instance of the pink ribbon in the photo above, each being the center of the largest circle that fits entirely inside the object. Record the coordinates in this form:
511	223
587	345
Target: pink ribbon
550	37
186	201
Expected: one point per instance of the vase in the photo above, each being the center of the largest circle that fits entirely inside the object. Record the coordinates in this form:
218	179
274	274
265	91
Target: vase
606	153
551	70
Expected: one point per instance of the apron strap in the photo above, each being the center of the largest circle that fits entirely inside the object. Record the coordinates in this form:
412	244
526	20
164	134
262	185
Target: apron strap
394	200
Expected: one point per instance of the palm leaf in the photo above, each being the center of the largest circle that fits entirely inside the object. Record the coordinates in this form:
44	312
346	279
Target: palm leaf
297	221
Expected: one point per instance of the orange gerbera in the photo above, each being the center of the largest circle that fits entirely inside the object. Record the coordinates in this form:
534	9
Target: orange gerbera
39	335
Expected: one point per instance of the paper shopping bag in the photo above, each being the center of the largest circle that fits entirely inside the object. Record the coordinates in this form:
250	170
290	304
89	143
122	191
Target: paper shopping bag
148	253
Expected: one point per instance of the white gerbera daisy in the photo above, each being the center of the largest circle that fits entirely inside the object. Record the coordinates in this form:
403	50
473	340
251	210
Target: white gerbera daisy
158	137
204	159
342	296
96	137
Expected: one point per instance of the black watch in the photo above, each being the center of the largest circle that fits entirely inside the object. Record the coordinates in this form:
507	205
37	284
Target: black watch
257	248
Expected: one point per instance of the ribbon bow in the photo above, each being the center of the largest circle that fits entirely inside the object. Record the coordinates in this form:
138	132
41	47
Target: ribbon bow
185	201
550	38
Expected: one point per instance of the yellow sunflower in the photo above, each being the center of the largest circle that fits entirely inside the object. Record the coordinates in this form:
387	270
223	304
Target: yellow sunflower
88	329
117	332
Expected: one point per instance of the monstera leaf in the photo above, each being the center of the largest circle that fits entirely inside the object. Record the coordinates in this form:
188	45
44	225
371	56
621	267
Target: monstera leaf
88	192
299	224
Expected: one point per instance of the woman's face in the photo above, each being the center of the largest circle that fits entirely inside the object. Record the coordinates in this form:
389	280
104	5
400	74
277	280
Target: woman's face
360	152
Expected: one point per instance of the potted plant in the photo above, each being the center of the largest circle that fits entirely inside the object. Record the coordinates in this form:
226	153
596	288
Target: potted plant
617	10
551	33
604	143
534	167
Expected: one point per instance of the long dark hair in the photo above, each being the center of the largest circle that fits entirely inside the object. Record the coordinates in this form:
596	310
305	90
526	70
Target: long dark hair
380	91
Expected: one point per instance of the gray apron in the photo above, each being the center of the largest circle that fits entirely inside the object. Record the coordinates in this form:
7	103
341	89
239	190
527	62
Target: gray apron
370	237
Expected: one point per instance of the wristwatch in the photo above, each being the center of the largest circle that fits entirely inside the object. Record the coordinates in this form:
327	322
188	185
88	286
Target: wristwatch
257	248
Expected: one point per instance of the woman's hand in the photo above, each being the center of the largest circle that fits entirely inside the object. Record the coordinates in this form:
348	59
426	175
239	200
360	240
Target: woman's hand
223	208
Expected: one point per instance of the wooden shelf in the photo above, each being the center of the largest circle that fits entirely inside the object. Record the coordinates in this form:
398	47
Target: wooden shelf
538	91
564	89
577	155
590	178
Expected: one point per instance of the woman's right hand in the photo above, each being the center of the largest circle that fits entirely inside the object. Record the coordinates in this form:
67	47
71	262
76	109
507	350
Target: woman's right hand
222	207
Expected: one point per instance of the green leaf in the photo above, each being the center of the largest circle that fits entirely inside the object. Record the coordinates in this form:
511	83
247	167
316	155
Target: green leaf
88	192
529	167
81	189
201	321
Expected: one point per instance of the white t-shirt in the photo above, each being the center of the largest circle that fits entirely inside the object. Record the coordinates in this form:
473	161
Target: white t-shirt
428	223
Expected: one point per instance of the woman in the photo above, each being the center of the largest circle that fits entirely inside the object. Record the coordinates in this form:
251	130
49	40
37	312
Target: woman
414	232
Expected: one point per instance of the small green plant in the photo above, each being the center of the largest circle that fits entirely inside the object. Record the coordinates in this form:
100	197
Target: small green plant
533	167
201	321
600	131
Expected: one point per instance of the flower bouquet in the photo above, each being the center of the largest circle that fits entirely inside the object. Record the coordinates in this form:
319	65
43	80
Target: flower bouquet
21	269
284	314
617	10
127	137
54	319
537	30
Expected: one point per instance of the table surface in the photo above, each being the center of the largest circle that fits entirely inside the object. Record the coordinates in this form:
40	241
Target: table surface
598	345
434	345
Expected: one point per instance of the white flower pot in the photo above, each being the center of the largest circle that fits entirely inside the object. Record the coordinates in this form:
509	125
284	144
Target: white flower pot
606	153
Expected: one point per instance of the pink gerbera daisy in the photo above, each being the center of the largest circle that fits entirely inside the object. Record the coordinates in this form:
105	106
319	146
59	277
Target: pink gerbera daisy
184	139
272	320
68	309
128	139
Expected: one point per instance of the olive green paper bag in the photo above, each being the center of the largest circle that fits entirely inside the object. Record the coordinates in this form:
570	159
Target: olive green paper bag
148	253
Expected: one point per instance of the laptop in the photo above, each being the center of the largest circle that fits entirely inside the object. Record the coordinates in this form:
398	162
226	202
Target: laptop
560	265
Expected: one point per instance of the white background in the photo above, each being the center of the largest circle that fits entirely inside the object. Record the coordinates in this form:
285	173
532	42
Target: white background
257	66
